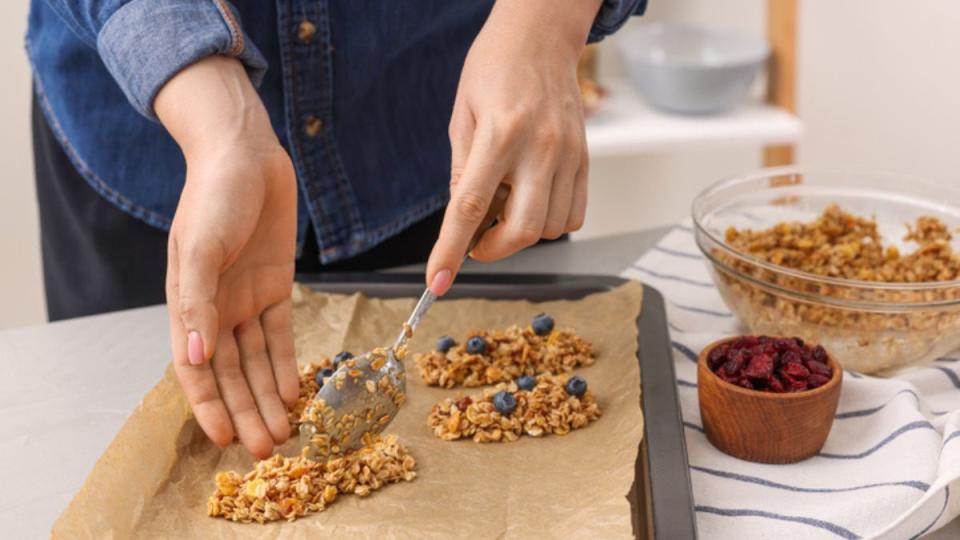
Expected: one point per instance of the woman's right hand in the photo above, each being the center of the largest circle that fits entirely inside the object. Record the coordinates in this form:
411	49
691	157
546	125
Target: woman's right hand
231	257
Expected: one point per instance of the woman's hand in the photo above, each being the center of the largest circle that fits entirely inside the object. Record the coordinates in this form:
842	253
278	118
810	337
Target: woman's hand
231	257
517	119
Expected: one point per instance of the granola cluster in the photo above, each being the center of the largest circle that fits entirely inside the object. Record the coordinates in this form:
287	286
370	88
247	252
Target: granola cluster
292	487
507	354
842	245
547	408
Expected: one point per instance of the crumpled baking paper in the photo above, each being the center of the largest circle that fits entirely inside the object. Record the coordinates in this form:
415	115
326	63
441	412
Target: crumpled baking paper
154	479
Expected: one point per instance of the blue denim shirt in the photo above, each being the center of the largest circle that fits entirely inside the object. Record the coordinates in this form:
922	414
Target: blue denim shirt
359	92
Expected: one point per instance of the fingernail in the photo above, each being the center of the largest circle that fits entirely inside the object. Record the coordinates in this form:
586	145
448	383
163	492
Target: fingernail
195	348
441	282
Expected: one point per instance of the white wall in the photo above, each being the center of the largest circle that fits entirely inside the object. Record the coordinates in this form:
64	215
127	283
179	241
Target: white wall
879	89
21	288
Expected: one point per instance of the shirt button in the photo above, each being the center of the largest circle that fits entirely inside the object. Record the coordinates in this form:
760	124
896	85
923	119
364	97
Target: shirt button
312	126
306	31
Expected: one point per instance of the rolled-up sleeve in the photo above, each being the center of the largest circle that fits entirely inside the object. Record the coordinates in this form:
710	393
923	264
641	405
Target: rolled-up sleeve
144	43
614	14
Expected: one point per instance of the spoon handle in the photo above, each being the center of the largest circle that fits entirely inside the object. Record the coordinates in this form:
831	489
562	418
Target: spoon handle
427	298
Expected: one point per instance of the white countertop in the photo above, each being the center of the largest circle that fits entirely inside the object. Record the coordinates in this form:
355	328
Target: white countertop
67	388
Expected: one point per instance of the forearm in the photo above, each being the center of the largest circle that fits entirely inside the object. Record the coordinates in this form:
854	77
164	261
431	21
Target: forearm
211	104
563	26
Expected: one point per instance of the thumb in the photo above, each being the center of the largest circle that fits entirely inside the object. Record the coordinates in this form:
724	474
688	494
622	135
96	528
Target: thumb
199	272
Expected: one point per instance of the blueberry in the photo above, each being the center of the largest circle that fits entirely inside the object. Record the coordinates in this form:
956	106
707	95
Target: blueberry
542	324
345	355
322	374
445	343
476	345
575	386
504	402
526	382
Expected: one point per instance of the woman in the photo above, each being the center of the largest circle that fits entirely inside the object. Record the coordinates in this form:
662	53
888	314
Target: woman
306	135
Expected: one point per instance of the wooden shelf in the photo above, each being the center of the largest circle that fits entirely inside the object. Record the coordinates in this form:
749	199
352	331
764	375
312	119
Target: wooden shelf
625	125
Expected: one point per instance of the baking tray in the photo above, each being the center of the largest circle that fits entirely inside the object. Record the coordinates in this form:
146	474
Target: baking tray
661	499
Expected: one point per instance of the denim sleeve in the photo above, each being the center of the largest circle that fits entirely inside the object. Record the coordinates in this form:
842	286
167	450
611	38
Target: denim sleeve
144	43
613	14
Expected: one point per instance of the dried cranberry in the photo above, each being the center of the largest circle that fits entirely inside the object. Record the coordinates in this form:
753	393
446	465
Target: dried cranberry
463	403
760	367
819	368
791	357
816	380
795	371
718	356
770	364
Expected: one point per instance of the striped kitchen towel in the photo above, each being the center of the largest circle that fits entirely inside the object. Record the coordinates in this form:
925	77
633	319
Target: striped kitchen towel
890	466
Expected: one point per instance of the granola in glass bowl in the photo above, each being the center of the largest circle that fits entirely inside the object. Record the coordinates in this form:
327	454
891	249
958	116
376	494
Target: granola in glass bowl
865	264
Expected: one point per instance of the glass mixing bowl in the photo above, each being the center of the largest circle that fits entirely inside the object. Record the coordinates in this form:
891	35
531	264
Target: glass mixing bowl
867	326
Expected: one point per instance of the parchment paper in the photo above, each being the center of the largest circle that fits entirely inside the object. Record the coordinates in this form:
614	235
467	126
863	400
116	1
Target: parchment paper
154	479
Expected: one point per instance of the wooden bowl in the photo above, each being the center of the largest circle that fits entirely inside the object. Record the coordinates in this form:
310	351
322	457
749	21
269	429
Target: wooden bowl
761	426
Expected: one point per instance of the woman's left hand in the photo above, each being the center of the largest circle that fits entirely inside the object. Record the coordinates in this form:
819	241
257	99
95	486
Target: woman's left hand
517	119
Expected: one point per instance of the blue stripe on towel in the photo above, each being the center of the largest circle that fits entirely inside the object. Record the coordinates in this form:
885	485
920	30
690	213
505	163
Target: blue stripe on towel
915	484
919	424
692	426
946	499
671	277
676	328
946	359
825	525
694	309
872	410
681	382
853	374
950	437
686	351
952	375
677	253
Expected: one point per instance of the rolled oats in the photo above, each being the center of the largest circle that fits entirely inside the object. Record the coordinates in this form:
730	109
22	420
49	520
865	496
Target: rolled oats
292	487
907	326
546	409
509	354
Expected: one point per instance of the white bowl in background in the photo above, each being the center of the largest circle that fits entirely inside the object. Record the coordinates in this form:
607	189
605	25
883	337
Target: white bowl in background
692	70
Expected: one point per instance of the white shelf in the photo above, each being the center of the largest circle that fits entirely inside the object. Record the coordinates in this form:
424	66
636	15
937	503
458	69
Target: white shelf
625	125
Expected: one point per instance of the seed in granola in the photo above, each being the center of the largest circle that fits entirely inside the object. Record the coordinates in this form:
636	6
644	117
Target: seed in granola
542	324
476	345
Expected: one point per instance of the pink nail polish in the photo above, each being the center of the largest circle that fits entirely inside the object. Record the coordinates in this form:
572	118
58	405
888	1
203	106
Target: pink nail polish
195	348
441	282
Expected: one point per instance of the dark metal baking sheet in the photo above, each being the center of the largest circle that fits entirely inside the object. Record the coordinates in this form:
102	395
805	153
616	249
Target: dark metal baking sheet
661	498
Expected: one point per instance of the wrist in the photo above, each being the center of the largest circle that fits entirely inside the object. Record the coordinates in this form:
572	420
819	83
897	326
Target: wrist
563	26
211	105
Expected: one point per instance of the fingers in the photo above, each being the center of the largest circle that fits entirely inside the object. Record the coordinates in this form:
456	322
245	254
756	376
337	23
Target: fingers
524	216
255	363
461	137
198	264
277	322
469	201
200	387
251	431
561	196
578	204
